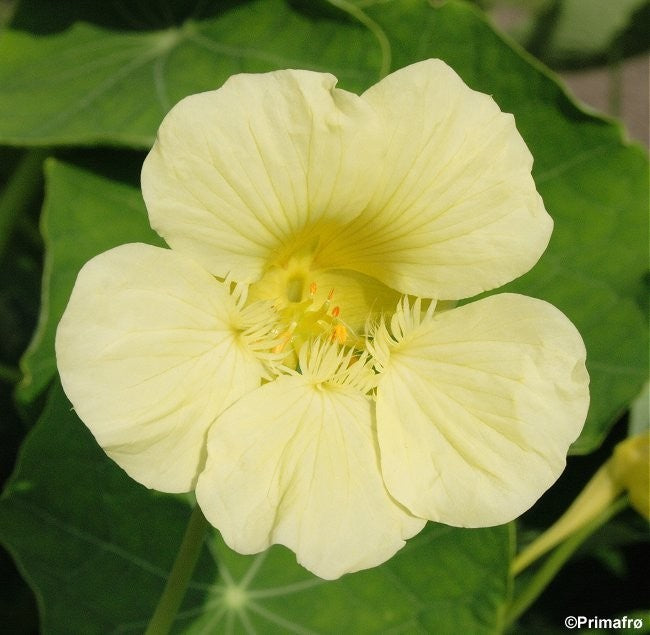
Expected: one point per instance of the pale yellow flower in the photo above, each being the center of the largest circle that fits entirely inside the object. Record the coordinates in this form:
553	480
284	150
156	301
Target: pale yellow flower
293	357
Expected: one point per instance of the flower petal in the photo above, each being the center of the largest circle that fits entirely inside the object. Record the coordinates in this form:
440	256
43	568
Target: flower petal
477	407
457	212
148	357
248	175
296	463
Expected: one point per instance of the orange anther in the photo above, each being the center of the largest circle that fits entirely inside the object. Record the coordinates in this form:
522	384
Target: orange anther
278	348
285	338
336	311
312	288
339	334
330	294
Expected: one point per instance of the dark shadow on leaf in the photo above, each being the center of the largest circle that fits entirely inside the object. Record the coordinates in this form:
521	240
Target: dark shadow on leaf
52	16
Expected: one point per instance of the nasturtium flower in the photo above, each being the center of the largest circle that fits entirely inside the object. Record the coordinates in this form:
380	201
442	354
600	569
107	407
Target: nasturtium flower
297	357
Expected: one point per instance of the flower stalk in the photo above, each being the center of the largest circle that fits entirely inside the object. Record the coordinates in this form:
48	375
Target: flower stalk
624	479
181	573
598	494
547	572
627	469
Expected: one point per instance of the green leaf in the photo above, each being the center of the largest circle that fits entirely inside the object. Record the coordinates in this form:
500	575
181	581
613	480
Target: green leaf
84	214
88	84
445	580
96	548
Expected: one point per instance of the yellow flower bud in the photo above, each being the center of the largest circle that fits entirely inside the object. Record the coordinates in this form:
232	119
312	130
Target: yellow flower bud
631	468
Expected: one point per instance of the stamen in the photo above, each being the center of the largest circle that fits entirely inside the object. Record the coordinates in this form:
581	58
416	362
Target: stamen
302	322
327	364
285	338
339	334
387	335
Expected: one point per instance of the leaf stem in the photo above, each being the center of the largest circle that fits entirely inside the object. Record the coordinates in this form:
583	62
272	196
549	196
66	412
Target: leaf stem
174	592
357	12
556	561
22	186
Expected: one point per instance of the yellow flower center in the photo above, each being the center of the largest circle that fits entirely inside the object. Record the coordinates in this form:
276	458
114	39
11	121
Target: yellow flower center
286	284
302	317
306	321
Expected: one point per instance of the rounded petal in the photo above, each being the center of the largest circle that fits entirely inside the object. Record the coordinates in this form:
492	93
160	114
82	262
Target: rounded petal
248	175
296	464
456	212
148	357
477	407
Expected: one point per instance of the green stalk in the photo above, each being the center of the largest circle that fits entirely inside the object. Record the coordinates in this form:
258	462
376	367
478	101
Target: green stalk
599	493
21	188
556	561
355	11
181	573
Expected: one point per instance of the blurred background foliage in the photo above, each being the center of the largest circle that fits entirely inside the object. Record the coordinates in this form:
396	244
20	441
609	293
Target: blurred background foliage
600	48
569	34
